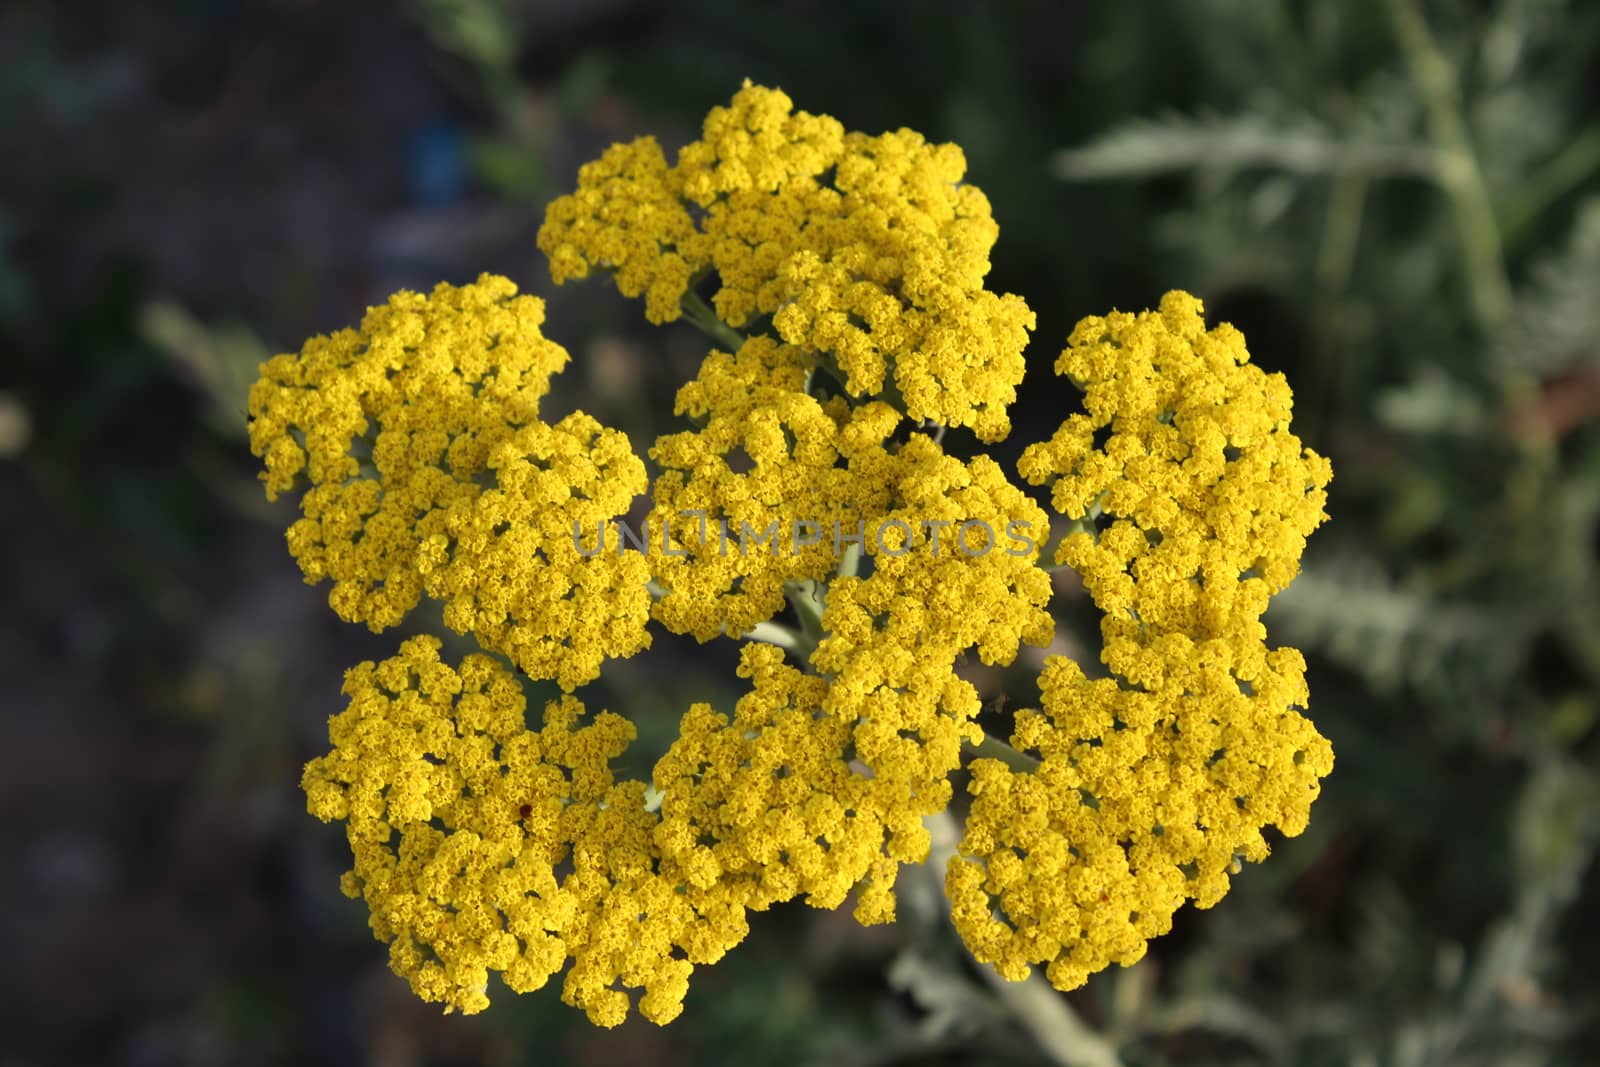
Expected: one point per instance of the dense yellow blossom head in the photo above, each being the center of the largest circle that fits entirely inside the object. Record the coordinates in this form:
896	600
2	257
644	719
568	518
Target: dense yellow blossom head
885	281
1145	798
431	472
868	253
729	493
624	218
1155	780
1205	497
808	482
481	845
758	143
877	729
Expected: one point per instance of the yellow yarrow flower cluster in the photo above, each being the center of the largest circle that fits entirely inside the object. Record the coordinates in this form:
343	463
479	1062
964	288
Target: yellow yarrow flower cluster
806	483
1154	781
1212	496
786	815
880	738
868	251
625	218
431	472
880	728
481	845
730	492
894	638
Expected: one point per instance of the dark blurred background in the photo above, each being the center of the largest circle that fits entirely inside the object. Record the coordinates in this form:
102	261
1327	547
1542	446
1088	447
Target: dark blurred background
1397	201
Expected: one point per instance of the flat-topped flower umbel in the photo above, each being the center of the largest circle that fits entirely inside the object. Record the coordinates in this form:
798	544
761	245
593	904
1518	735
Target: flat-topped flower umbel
853	327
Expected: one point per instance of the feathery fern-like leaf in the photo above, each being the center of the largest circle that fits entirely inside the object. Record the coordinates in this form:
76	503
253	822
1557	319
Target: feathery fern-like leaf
1555	324
1303	145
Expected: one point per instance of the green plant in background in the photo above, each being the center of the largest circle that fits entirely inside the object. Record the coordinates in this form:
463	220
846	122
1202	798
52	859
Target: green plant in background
1389	189
852	329
1396	202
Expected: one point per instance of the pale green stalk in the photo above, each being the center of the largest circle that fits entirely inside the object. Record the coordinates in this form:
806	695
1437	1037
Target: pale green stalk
1457	170
1037	1007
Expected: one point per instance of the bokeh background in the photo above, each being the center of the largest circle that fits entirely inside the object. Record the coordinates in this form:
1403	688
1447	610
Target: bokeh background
1398	201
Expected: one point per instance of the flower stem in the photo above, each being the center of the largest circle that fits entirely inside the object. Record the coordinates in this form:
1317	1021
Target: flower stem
1568	169
992	747
807	600
849	561
774	633
1042	1011
701	314
1457	171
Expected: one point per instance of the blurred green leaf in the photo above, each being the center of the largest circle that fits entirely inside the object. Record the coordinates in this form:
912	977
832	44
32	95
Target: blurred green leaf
1300	145
221	361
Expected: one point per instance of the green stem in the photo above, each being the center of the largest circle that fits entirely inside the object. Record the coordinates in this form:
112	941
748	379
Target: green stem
1340	233
1037	1007
1457	171
808	598
849	561
775	633
1566	170
992	747
701	314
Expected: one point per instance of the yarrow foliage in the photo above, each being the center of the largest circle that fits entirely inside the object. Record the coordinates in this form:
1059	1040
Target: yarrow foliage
850	270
